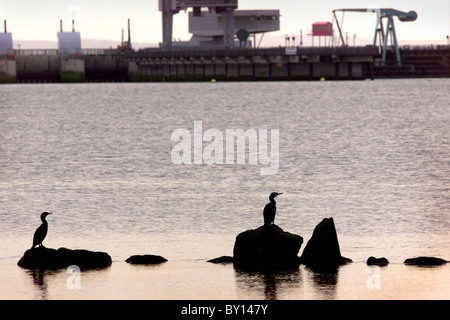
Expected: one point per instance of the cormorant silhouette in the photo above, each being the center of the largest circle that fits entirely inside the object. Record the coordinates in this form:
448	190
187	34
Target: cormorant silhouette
41	231
270	209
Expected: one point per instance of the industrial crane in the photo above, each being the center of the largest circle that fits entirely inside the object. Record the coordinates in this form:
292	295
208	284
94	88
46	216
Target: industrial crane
224	7
382	34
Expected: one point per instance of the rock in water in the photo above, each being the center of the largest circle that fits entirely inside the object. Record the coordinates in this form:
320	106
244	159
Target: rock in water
41	258
222	259
145	259
425	261
52	259
266	247
322	250
372	261
85	259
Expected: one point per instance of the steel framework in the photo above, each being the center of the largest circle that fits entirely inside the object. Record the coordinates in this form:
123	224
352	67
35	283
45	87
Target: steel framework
382	34
224	7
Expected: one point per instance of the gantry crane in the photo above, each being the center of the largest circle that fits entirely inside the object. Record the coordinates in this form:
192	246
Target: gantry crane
382	34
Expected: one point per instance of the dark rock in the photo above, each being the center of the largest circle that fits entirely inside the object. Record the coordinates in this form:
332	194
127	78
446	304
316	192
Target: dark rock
85	259
52	259
322	250
223	259
425	261
146	259
372	261
41	258
266	247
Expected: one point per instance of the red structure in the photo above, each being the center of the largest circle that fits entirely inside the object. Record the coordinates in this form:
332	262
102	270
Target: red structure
322	29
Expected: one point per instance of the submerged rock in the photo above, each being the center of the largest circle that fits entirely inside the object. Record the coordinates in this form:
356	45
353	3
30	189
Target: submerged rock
222	259
322	250
52	259
425	261
372	261
266	247
146	259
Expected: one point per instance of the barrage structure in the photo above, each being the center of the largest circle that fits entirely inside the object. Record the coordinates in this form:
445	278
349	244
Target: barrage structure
213	53
271	64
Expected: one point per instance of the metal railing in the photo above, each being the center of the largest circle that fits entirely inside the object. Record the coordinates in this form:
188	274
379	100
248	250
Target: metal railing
430	47
53	52
219	53
99	52
246	52
36	52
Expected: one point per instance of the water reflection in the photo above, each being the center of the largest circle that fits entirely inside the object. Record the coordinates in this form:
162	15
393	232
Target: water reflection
277	285
39	278
324	282
270	284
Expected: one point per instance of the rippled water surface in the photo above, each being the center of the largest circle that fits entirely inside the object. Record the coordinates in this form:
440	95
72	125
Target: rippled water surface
374	155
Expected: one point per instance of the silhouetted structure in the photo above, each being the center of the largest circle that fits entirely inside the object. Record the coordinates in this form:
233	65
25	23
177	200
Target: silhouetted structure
41	231
270	209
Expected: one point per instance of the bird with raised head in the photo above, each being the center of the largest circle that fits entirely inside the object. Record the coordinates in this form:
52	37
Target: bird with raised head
270	209
41	231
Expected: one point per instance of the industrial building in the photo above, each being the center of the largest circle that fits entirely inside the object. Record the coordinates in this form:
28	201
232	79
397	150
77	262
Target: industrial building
225	8
207	28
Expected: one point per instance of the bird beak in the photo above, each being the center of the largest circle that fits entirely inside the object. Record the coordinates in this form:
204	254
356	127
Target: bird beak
278	194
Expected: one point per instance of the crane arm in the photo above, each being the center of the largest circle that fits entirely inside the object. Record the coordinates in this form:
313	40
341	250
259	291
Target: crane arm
385	12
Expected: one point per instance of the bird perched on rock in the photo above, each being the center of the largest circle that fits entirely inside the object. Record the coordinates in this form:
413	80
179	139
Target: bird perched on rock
270	209
41	231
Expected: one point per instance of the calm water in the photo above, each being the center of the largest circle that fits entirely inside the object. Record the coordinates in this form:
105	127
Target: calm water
374	155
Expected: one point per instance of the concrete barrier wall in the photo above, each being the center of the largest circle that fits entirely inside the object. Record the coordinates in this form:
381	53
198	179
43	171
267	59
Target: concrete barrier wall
38	68
53	68
111	67
72	70
227	65
63	68
248	71
7	71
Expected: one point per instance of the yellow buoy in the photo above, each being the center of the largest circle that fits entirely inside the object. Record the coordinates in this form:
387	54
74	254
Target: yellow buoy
322	79
213	80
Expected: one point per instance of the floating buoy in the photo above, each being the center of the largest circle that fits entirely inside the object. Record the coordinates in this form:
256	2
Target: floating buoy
213	80
322	79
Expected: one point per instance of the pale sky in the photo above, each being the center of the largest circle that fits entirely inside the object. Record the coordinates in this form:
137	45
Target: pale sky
105	19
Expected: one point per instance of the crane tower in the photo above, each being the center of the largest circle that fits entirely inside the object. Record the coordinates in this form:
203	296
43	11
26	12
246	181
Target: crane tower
382	34
224	7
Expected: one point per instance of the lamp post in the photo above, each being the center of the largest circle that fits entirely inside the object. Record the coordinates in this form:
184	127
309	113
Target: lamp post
287	41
